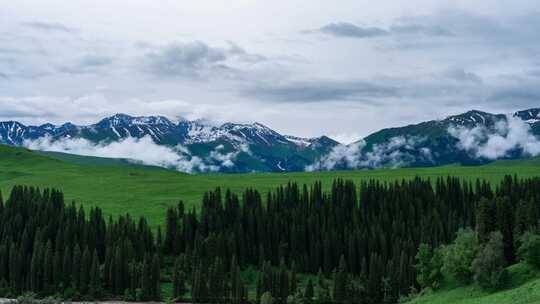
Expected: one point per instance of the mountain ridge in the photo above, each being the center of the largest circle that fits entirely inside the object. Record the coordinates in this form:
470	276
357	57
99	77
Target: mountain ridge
248	147
256	146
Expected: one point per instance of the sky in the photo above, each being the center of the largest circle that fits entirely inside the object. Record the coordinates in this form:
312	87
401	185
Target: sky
302	67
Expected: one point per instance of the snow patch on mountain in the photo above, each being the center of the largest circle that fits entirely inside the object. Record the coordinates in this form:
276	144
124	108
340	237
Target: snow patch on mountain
299	141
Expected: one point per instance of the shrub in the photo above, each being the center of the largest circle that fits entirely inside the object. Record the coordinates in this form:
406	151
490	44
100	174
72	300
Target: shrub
428	266
139	295
488	266
267	298
459	255
27	298
529	251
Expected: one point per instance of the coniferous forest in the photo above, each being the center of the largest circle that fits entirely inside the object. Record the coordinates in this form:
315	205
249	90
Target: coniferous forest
370	242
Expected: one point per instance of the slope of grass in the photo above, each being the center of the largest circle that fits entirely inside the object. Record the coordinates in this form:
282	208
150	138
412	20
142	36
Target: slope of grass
118	187
90	160
523	288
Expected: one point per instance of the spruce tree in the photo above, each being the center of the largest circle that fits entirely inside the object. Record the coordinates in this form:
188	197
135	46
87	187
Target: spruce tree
58	274
94	284
146	280
485	219
48	268
505	224
36	267
156	278
76	268
67	265
86	263
340	281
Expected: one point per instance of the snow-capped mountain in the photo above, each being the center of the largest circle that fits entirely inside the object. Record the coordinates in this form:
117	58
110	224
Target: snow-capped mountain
531	116
469	138
256	146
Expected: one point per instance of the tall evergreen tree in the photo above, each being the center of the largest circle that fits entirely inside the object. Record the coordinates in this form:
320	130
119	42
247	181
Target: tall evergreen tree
76	268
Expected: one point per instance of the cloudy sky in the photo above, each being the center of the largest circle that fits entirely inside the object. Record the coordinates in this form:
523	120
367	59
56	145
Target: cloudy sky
303	67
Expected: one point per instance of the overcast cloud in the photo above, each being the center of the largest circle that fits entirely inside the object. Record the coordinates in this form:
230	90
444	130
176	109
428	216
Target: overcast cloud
304	68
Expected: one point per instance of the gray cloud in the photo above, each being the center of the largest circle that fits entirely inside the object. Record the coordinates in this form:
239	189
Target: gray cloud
455	83
8	51
87	64
46	26
460	74
345	29
320	90
411	28
183	59
447	88
516	95
407	68
534	73
195	59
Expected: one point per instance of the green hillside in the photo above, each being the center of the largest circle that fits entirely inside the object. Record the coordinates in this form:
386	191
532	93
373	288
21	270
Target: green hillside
119	187
523	288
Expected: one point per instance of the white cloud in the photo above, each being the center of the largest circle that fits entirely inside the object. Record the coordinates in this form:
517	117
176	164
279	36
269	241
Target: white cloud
341	155
142	151
396	152
509	136
399	71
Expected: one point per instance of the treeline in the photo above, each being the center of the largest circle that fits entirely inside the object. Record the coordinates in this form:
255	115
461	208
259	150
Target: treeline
50	248
364	239
359	244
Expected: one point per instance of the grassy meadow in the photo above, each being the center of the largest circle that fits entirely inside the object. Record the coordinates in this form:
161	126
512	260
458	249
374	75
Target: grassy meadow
118	187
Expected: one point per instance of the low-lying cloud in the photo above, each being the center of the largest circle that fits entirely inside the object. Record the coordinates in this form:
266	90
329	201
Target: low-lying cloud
508	137
140	151
396	152
347	156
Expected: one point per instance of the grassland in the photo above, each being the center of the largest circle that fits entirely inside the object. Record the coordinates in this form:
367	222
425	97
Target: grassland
120	188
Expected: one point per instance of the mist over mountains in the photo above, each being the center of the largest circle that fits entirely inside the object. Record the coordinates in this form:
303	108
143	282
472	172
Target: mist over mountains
473	137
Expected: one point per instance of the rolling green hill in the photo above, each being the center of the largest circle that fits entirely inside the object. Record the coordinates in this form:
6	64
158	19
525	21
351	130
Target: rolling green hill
119	187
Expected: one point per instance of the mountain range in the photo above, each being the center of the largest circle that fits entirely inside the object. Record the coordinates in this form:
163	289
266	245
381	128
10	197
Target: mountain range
466	138
254	147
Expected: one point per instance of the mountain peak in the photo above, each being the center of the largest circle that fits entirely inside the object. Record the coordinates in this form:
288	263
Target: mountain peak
529	116
116	119
472	118
48	126
124	119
